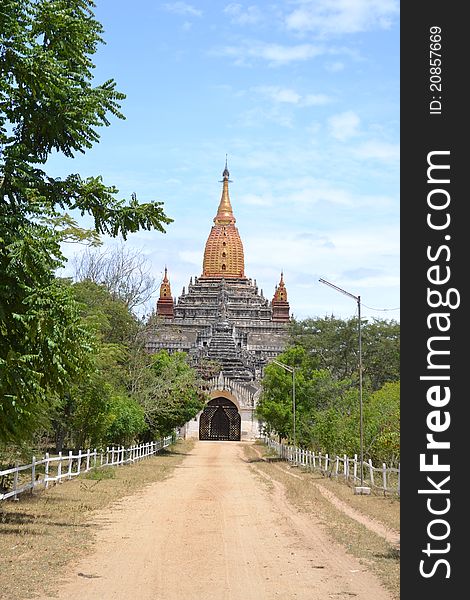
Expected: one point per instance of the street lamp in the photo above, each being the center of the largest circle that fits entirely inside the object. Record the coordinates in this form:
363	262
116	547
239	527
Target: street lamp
358	300
291	370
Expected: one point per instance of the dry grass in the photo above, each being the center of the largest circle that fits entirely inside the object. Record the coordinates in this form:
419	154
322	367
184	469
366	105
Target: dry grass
42	532
372	550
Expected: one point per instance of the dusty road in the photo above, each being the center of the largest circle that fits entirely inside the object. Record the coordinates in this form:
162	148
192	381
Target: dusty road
214	531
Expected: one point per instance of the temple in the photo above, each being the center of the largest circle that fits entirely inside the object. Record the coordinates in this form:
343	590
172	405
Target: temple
225	318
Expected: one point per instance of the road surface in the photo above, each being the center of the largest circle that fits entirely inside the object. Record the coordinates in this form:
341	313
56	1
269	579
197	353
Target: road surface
214	531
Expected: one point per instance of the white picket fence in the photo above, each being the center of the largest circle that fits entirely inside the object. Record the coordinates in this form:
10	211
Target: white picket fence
65	466
386	479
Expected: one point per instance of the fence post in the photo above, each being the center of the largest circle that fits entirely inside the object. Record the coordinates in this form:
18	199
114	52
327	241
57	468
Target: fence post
371	471
95	457
346	467
33	473
79	461
46	471
355	469
69	472
59	468
384	477
326	461
15	480
87	468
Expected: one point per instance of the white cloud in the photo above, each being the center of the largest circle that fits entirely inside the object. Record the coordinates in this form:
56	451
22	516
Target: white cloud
191	257
362	246
289	96
337	17
255	200
309	191
344	125
315	100
254	117
182	8
334	67
243	16
278	94
378	150
275	54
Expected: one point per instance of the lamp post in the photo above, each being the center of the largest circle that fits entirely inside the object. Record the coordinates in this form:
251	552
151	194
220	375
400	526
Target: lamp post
358	300
291	370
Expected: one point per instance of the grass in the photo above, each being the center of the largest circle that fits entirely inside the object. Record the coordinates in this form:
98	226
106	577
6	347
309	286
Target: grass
101	473
372	550
42	532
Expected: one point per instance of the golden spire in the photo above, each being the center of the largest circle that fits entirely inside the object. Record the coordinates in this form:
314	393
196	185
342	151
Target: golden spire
224	214
165	303
281	292
223	254
165	290
279	304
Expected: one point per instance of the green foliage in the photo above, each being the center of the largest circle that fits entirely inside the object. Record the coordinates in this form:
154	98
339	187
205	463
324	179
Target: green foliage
91	416
100	473
324	354
48	103
314	388
207	369
109	317
382	424
43	343
334	345
171	394
98	409
127	421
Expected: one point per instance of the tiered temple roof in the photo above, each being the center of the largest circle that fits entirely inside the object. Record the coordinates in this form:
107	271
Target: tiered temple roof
222	315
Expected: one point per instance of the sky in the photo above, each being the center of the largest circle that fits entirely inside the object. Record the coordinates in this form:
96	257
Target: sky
303	99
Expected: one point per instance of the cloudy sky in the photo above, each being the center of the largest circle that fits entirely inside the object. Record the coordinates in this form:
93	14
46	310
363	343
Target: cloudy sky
303	97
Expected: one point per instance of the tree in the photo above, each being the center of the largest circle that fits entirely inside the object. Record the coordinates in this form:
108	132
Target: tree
382	424
48	104
324	354
170	392
314	390
124	272
333	344
97	407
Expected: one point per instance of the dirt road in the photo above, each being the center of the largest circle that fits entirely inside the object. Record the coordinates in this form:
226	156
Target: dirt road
215	531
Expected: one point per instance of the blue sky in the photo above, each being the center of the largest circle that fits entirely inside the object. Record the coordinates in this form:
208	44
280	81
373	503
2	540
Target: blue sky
303	97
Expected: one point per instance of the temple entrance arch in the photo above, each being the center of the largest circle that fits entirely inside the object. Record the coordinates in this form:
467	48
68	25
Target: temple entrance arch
220	420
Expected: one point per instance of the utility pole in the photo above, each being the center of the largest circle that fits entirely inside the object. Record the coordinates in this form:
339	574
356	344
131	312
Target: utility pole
362	489
291	370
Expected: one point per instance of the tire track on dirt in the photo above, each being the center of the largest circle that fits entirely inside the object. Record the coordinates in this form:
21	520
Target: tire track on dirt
391	536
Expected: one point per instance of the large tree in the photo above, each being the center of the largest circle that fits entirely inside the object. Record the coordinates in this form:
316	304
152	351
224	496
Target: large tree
324	353
333	344
124	271
49	103
170	391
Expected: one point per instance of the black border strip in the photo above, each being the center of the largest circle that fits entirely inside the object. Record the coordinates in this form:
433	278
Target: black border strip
441	128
